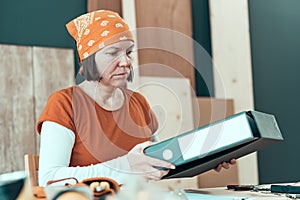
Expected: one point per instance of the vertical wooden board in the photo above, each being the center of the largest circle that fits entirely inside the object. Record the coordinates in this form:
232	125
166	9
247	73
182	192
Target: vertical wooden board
113	5
212	110
171	100
219	179
17	109
231	52
232	66
53	69
170	18
171	14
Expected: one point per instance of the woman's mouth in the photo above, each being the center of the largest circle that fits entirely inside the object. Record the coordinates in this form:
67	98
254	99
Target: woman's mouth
122	74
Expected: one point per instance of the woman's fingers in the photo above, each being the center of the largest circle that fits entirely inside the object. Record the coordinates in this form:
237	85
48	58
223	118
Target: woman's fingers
156	174
225	165
233	161
160	163
140	147
149	167
218	168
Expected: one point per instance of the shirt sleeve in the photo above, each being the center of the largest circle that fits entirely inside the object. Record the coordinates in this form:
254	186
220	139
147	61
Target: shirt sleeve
56	147
58	109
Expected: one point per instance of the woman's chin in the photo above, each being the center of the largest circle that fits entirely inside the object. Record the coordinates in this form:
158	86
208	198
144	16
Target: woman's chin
119	83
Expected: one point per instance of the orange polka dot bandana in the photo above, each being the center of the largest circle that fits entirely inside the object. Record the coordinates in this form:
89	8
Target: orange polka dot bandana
95	30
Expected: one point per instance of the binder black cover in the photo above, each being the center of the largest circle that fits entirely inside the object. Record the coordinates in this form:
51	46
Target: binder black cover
264	131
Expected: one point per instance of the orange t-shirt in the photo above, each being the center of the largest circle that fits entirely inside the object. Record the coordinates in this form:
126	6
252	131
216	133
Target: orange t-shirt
100	135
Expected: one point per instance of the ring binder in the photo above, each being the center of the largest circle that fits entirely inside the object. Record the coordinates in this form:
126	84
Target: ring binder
204	148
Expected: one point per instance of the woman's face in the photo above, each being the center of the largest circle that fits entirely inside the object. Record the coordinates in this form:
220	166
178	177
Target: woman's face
114	62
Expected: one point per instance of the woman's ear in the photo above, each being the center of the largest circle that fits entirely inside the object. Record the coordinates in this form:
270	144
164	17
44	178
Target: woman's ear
81	70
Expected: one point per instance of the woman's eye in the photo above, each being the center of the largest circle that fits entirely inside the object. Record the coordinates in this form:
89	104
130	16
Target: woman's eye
112	53
128	53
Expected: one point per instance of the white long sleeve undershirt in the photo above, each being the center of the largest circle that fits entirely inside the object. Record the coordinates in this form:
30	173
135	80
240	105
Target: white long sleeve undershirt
56	147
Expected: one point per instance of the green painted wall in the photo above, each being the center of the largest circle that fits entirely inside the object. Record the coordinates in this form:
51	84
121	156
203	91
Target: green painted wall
202	49
38	22
275	42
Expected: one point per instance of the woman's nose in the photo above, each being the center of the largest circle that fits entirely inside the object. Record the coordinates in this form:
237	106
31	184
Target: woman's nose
124	61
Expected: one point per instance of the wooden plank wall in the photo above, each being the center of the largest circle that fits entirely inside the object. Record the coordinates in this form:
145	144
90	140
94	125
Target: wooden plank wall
171	100
211	110
232	66
165	56
53	69
16	110
173	55
113	5
28	76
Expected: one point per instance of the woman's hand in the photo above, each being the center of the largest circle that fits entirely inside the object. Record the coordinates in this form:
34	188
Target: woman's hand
150	168
225	165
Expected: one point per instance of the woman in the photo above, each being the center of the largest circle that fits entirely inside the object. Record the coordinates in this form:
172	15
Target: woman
99	128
